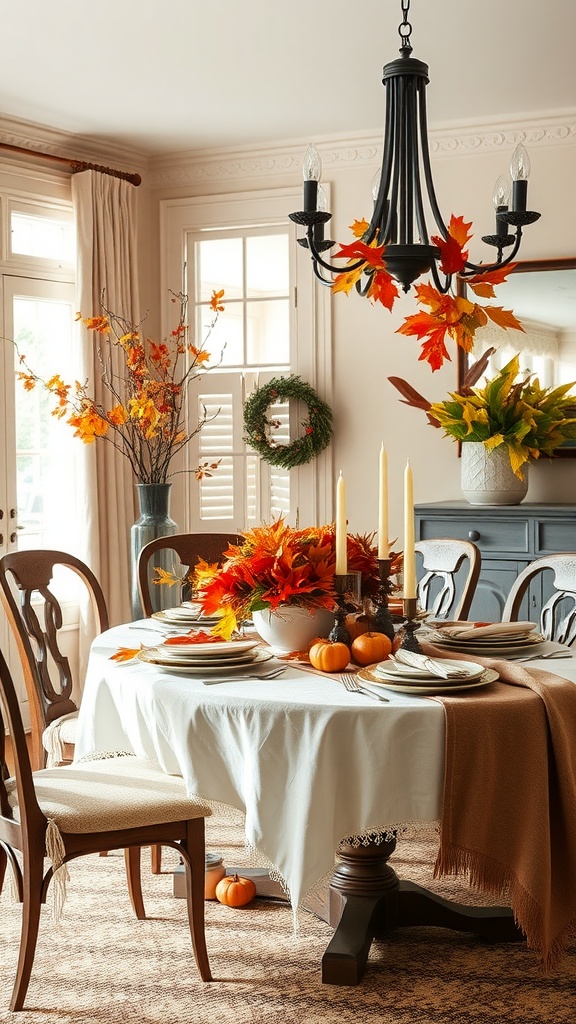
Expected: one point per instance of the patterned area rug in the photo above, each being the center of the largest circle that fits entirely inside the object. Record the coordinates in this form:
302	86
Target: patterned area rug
102	966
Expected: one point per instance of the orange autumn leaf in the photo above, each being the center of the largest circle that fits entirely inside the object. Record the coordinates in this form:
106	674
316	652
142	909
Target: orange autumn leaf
359	227
371	254
383	289
503	317
345	282
418	324
483	284
459	229
118	415
216	301
125	654
434	350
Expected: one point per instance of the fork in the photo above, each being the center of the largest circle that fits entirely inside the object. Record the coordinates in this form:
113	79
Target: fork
352	684
273	674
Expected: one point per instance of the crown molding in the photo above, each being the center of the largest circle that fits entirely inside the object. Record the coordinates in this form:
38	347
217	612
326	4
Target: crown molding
38	138
548	128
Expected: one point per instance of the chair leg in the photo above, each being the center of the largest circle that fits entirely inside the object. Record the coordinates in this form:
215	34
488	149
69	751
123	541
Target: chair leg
194	856
3	863
156	860
32	887
134	879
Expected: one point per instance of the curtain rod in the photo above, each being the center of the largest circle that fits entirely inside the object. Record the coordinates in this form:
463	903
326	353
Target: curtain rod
75	165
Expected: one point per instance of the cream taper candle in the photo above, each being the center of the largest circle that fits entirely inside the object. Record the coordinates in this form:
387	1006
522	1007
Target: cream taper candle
409	554
341	555
383	545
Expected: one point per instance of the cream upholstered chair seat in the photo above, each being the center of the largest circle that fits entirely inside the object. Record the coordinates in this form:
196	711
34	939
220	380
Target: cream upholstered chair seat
114	793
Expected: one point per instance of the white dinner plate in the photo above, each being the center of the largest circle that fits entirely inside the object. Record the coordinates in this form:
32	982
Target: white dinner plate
488	676
391	670
227	648
242	658
467	647
215	667
184	618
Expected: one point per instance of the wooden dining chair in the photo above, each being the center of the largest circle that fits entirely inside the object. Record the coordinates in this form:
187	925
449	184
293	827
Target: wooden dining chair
35	616
115	803
439	590
558	616
188	547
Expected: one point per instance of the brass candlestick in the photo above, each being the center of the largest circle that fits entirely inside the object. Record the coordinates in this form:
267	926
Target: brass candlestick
410	625
382	619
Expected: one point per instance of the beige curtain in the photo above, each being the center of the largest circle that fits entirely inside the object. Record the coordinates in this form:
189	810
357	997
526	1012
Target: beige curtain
105	215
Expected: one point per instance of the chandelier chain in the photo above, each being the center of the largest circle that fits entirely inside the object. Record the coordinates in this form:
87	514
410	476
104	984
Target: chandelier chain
405	28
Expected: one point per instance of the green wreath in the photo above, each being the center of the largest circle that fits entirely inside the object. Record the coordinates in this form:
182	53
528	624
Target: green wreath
317	427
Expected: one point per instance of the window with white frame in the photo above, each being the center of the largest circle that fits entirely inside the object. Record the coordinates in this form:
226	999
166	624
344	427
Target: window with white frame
246	246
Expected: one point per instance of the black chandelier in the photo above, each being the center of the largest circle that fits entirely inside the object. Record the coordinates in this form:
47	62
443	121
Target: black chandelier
399	215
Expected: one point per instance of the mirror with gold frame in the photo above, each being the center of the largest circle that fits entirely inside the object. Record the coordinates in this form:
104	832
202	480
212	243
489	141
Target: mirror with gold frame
542	295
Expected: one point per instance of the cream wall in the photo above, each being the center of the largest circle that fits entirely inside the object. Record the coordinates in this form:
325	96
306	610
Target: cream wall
466	163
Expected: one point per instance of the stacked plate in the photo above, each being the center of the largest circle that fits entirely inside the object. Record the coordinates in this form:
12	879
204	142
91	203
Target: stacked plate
428	676
492	639
219	657
186	614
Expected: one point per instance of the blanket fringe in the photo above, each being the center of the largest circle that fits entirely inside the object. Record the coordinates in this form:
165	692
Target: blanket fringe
492	877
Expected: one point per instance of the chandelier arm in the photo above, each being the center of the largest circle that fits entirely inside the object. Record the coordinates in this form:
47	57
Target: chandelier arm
486	268
442	288
317	258
379	223
318	275
427	168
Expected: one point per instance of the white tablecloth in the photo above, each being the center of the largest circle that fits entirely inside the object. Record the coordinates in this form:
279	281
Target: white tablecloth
306	761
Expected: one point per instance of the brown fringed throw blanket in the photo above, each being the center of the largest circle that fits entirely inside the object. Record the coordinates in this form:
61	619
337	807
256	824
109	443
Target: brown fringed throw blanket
509	806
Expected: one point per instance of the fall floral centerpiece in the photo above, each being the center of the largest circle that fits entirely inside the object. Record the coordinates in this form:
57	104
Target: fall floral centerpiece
511	410
275	566
147	383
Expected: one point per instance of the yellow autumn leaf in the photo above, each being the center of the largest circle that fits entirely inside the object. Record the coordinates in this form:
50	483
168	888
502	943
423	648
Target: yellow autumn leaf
227	623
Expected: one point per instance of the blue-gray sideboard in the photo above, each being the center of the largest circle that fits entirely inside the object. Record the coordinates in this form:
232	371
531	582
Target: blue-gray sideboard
509	538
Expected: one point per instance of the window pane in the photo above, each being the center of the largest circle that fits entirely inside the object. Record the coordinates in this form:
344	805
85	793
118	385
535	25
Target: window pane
44	444
43	237
219	265
268	332
225	343
267	265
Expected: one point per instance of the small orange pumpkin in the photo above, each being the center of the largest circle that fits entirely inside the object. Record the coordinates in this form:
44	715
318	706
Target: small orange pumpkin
370	647
356	624
329	657
235	891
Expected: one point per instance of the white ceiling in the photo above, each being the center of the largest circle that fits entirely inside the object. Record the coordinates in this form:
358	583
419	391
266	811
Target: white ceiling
166	76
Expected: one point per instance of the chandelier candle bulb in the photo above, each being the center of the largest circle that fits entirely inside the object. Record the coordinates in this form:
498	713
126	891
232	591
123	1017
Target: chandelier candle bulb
341	556
311	169
383	532
519	172
409	553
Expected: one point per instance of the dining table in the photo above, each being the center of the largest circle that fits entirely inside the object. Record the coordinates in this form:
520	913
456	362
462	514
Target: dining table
327	780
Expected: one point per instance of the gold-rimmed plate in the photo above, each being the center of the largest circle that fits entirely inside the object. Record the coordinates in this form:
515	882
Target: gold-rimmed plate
214	666
423	690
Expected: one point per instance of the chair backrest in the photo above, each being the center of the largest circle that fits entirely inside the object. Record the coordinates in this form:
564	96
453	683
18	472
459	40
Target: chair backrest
438	590
558	615
30	816
47	672
189	547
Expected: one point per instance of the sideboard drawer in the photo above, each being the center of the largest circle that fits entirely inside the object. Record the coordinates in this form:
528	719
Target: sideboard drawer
490	535
555	535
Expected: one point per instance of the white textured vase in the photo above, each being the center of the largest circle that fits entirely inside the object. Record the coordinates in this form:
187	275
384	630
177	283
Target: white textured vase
291	628
488	478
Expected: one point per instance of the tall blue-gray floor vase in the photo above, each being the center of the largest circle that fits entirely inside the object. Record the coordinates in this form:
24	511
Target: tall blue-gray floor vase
154	521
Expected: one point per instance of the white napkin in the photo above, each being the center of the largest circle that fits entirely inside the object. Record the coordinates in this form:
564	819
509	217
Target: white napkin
498	630
437	669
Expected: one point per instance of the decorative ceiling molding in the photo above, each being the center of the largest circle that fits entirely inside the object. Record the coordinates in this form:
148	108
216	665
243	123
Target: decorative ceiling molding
39	138
194	168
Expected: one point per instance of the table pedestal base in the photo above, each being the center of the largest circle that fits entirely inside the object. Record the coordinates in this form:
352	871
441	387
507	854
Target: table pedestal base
367	900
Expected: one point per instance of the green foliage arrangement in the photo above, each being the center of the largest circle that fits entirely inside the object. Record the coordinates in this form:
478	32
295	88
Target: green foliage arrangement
528	419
